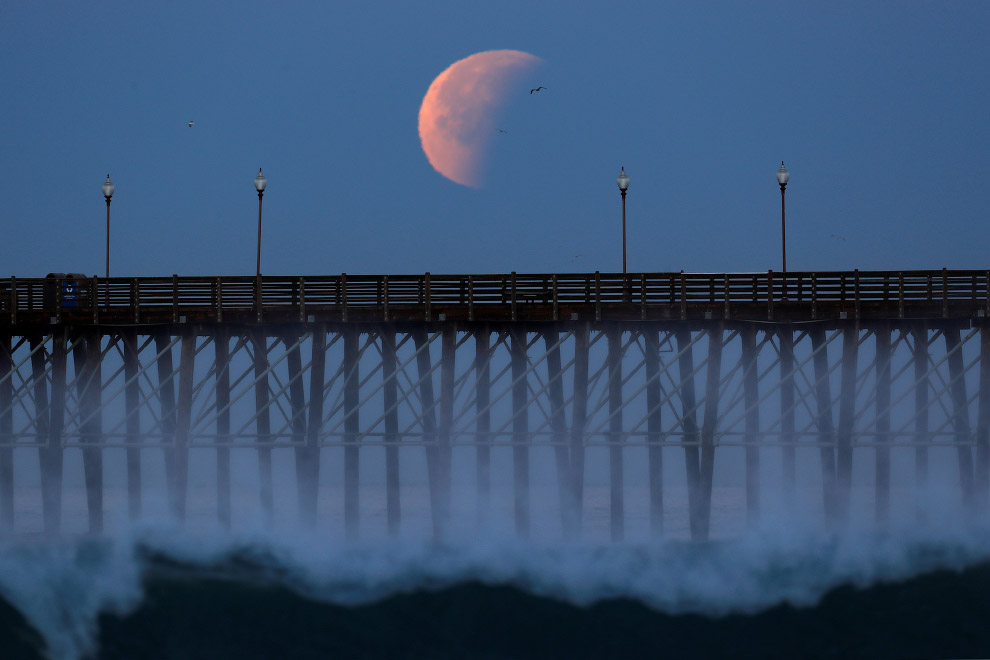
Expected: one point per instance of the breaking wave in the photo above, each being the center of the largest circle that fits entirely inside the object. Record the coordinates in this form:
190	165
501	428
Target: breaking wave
156	592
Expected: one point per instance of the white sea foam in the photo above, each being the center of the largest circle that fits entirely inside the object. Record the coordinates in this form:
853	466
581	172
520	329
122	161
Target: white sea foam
61	588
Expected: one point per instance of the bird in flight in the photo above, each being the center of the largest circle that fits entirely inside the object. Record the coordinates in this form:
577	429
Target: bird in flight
537	89
191	124
837	237
501	130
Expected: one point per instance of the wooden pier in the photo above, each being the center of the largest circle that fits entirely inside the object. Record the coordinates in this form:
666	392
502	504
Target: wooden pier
840	365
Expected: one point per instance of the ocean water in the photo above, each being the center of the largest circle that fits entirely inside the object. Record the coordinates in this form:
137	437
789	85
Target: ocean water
784	586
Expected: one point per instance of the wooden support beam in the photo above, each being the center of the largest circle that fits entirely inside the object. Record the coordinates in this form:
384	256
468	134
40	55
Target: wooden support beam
882	334
183	423
42	426
689	430
847	415
448	350
6	432
826	430
960	414
579	420
132	404
221	345
654	397
352	426
558	427
616	480
424	364
308	497
482	368
921	387
982	475
259	343
297	404
166	397
708	427
785	335
393	503
52	456
751	398
87	359
520	431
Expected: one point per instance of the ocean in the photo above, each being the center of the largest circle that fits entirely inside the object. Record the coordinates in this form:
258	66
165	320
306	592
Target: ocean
781	588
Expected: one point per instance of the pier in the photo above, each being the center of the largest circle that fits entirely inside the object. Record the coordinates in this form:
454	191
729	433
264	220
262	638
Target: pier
844	366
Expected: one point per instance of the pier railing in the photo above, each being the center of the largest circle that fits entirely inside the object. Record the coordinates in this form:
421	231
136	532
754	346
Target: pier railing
499	297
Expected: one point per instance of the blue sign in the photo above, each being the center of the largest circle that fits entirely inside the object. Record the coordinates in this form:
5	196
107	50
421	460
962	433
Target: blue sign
70	293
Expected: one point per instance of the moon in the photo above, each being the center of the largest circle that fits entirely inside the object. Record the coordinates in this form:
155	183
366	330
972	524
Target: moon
456	117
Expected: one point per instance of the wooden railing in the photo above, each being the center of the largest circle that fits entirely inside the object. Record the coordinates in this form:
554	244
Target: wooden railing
721	293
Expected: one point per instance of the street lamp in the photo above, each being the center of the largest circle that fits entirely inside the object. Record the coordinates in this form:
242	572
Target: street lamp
623	182
108	193
782	176
259	183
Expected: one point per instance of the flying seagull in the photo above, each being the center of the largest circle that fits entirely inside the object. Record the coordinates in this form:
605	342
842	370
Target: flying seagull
837	237
191	124
501	130
537	89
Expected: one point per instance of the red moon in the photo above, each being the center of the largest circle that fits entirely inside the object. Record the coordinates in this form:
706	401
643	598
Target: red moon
455	120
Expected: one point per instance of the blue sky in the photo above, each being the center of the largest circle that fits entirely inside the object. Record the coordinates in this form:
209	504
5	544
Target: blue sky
879	110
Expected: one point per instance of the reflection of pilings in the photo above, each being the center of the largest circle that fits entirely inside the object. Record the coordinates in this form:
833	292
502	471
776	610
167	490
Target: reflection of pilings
520	431
689	426
221	344
132	402
960	413
352	427
393	503
654	392
708	425
616	482
483	452
263	420
826	431
6	431
751	402
921	385
579	419
558	425
882	334
785	334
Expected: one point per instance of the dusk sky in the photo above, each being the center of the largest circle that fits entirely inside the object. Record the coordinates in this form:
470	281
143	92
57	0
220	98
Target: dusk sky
879	109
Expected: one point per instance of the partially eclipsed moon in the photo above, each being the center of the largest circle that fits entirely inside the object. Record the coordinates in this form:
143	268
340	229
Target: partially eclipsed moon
455	120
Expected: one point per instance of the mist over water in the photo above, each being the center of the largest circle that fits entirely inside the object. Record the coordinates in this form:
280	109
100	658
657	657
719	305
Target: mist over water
62	587
126	592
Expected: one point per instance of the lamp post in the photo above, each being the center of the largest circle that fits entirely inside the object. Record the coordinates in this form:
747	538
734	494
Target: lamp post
782	176
108	193
259	183
623	182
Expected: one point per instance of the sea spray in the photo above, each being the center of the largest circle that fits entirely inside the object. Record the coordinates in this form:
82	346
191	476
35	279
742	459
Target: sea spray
63	587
